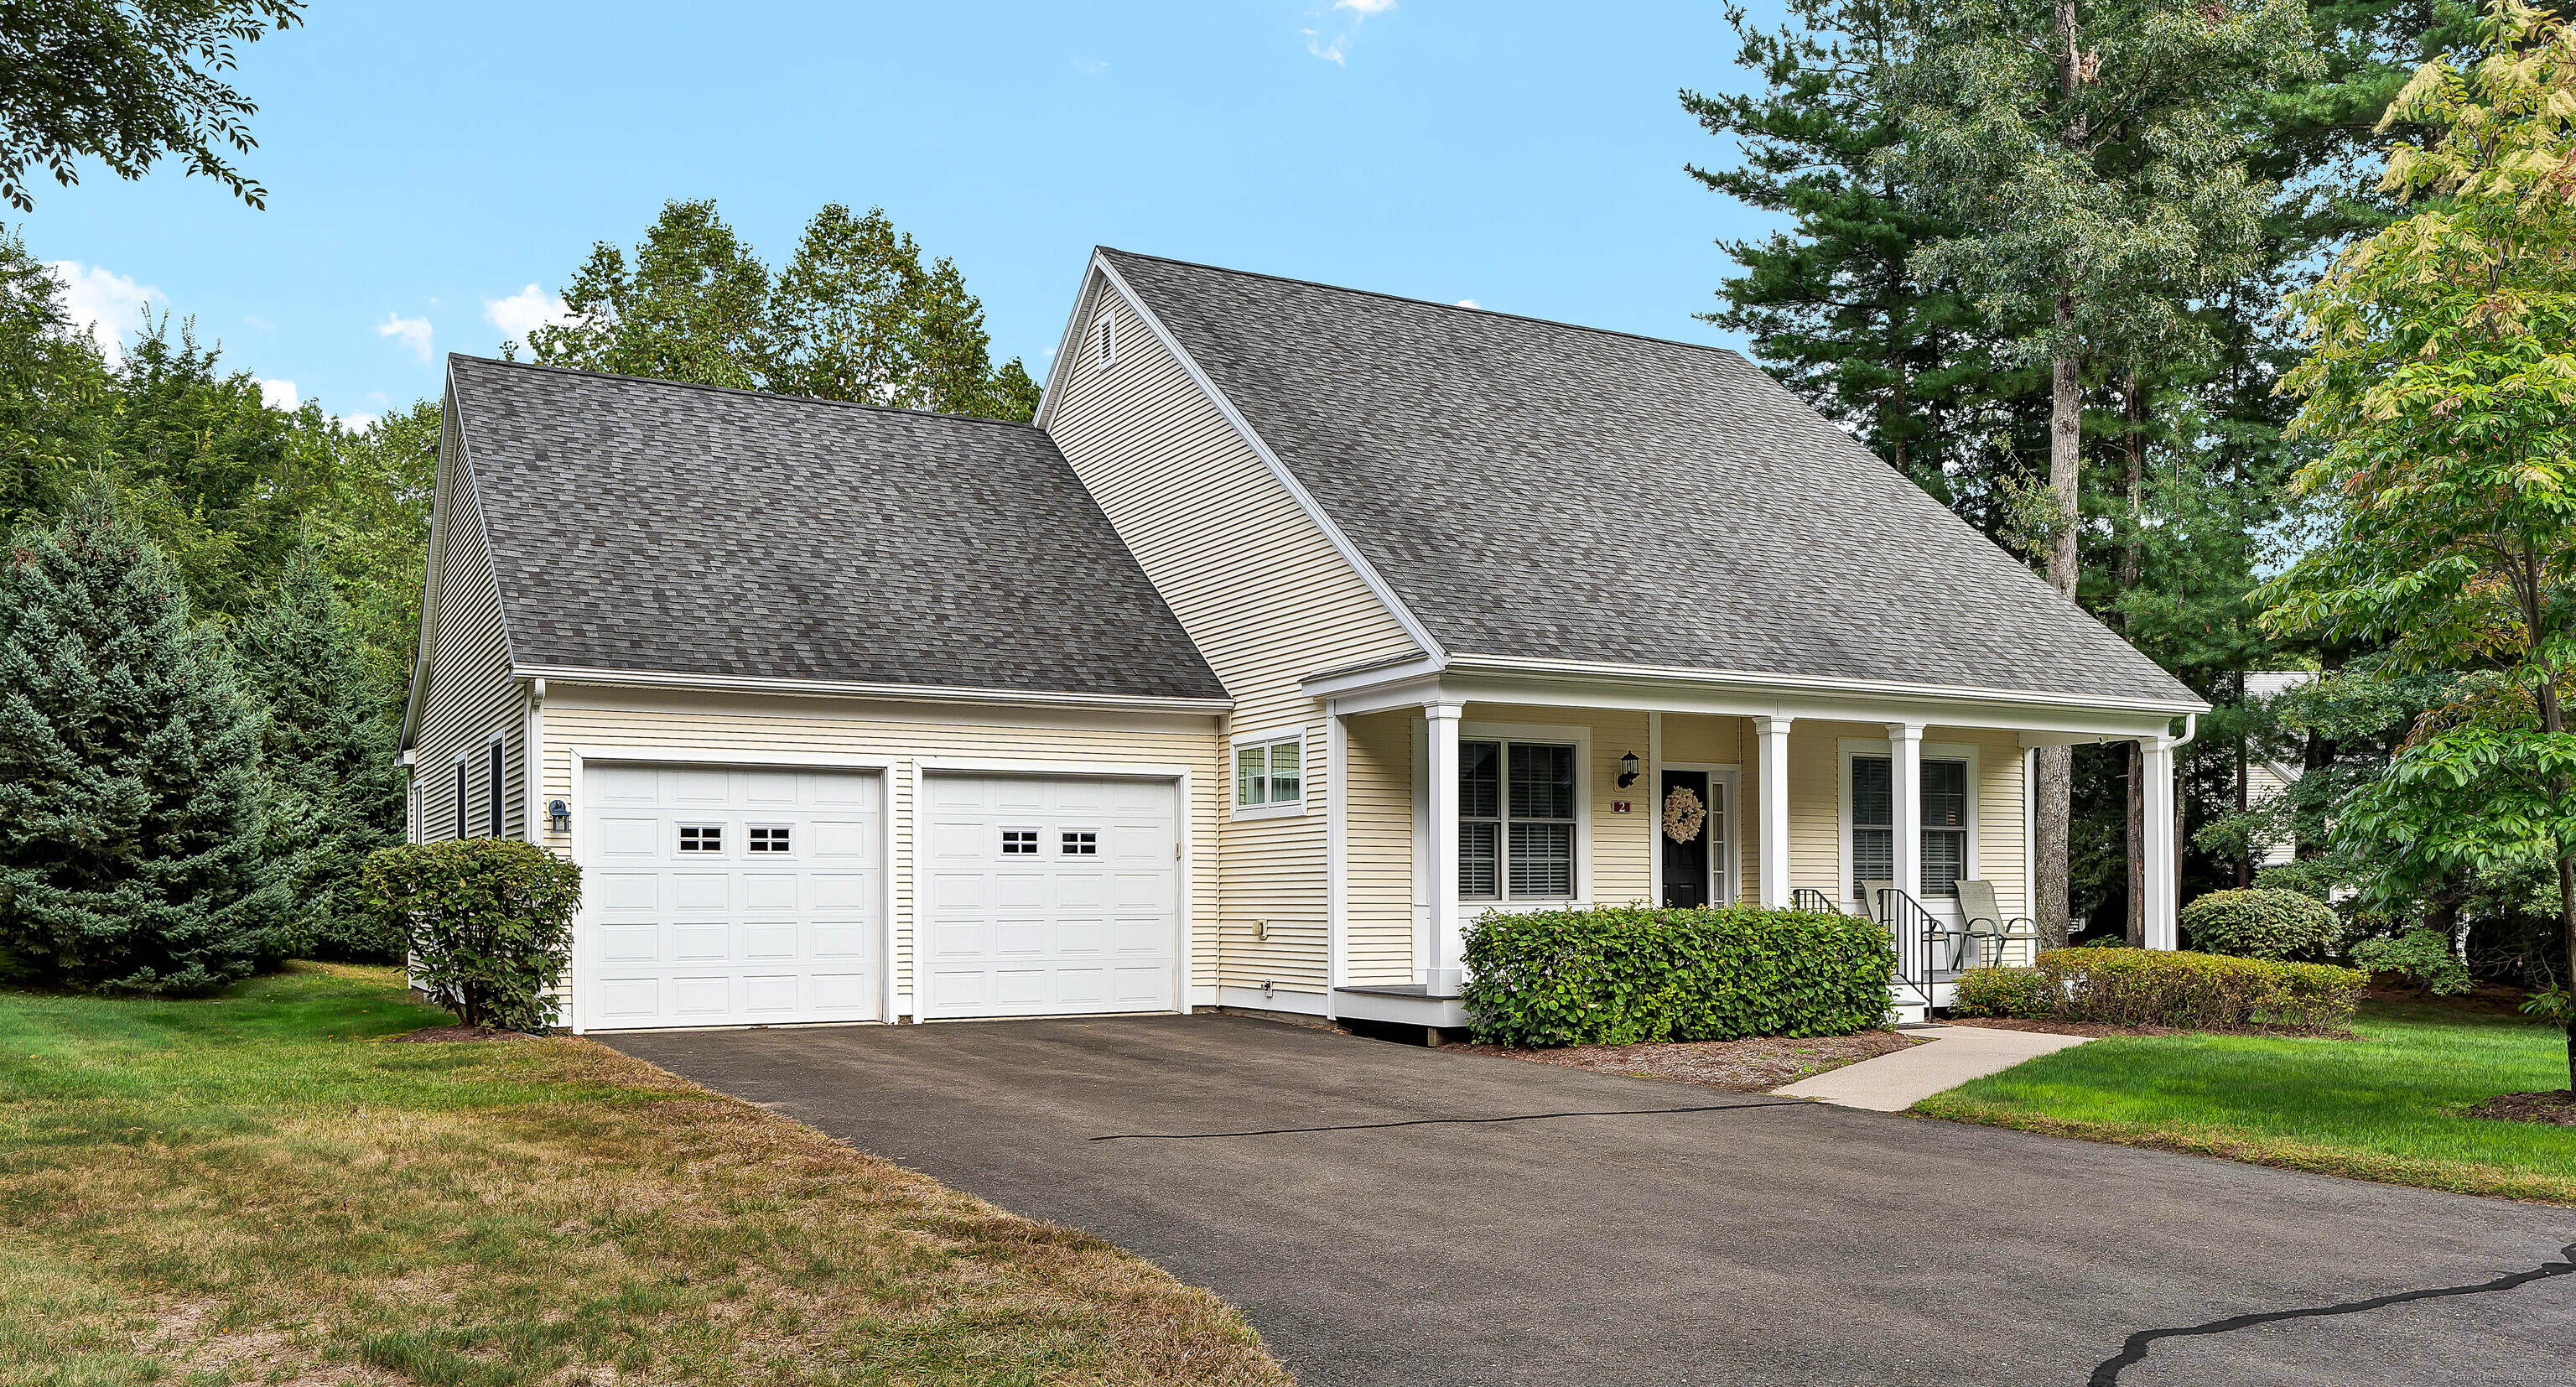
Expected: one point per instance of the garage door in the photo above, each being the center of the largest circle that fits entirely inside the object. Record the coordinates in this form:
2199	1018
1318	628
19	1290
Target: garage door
729	895
1048	895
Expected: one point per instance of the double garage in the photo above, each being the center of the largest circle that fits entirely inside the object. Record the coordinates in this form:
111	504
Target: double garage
749	894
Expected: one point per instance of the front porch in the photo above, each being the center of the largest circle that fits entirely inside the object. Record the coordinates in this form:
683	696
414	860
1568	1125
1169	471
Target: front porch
1471	789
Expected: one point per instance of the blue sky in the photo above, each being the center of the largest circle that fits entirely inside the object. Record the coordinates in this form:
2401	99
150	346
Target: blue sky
427	163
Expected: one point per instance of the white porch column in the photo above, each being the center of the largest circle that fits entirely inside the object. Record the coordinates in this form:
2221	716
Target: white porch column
1446	969
1337	877
1905	762
1772	790
2162	880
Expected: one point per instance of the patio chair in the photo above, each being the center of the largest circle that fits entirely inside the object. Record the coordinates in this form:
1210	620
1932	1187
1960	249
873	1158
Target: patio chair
1984	932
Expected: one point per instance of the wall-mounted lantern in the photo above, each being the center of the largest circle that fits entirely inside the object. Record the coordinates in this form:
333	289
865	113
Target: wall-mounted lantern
1627	770
559	816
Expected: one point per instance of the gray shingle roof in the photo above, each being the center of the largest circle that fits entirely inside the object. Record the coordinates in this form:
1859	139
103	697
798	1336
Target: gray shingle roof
1531	489
645	526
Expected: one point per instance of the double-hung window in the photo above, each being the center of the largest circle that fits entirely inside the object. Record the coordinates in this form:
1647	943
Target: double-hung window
1944	819
1270	776
1516	820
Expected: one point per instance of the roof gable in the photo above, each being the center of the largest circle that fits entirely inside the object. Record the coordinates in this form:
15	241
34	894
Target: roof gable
649	527
1534	490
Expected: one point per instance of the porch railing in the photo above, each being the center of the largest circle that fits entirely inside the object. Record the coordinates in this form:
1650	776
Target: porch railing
1809	898
1916	933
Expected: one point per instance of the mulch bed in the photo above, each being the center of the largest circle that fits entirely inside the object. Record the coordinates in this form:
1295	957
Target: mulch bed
2556	1107
436	1035
1756	1065
2097	1030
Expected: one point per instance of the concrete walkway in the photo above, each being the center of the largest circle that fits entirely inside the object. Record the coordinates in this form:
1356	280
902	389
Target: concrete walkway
1955	1054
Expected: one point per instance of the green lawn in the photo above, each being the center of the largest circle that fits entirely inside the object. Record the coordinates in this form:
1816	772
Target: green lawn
2382	1108
258	1189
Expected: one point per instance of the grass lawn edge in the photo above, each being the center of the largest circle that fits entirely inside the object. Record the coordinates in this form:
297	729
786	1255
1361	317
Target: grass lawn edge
2451	1177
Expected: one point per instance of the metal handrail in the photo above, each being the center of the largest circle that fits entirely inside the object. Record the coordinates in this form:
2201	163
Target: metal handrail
1809	898
1913	930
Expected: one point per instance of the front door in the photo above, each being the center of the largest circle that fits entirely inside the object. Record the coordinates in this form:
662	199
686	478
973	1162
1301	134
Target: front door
1683	814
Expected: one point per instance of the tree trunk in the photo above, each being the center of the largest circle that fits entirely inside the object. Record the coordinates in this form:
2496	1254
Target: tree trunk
2132	567
2048	845
2057	763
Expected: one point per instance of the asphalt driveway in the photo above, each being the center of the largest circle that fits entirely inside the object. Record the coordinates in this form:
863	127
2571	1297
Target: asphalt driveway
1389	1215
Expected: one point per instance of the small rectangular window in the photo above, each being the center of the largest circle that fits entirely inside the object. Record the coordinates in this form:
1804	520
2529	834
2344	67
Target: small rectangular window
1081	844
492	790
702	838
464	793
1269	773
1018	842
768	838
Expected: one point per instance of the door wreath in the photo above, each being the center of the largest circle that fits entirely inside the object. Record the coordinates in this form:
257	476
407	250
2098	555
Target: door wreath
1683	814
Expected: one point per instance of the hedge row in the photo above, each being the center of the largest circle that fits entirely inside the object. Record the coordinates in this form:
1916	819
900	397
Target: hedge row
1624	975
2140	987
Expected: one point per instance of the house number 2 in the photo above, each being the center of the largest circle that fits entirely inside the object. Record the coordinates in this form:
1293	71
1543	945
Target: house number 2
1623	806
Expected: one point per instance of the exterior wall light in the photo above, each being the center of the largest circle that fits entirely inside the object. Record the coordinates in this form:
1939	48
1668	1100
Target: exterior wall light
559	816
1627	770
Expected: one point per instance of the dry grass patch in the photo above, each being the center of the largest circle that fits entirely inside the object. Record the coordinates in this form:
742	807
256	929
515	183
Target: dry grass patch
253	1189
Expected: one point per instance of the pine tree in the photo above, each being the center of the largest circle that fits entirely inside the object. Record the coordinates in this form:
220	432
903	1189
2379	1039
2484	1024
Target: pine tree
334	794
132	852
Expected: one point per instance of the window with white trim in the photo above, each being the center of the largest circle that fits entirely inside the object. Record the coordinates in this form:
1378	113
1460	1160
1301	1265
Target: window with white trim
492	789
1516	820
464	793
1081	844
1019	842
1104	340
1270	773
701	838
1944	809
770	839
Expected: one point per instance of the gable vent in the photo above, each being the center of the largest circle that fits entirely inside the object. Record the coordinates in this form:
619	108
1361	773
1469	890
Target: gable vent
1104	340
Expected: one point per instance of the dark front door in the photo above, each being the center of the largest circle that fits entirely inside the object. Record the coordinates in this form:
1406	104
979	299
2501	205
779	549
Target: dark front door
1684	803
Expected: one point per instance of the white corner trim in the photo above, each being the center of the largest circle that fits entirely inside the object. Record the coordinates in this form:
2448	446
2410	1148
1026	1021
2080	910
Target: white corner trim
1242	427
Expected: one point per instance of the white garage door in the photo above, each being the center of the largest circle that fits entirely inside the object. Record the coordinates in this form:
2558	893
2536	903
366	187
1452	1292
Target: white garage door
1048	895
729	895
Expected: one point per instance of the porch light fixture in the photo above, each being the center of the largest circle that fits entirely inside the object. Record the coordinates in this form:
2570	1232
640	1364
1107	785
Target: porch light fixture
559	816
1627	770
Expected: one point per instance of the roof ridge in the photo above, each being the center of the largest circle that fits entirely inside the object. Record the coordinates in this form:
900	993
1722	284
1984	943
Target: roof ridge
737	390
1431	303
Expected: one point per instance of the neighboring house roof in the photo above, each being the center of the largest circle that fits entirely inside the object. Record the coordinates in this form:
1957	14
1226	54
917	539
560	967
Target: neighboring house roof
644	526
1534	490
2271	683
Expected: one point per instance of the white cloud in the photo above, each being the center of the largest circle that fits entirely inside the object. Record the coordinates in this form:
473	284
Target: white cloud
259	322
358	423
1469	303
280	394
103	305
524	312
413	332
1338	47
1091	67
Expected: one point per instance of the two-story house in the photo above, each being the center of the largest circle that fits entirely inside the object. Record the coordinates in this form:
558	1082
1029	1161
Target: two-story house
1303	625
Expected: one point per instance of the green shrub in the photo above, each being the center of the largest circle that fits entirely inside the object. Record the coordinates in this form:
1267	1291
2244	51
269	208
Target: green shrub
2145	987
1623	975
2261	924
2423	956
487	921
2025	993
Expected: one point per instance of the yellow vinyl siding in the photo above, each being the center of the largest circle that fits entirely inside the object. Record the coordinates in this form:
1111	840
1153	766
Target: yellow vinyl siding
470	695
1379	921
1262	592
1816	804
904	735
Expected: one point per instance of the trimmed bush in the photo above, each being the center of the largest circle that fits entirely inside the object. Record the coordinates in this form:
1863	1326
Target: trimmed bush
2024	993
2144	987
1624	975
487	921
2261	924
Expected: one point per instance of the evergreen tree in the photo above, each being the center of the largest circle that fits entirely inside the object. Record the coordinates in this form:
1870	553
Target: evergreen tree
132	850
1832	305
334	792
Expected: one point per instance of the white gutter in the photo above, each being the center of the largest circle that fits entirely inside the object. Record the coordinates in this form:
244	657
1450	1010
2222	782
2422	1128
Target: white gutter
844	688
1511	664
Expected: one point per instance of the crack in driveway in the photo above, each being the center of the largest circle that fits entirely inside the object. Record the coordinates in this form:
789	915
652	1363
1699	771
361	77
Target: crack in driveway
2135	1349
1442	1121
